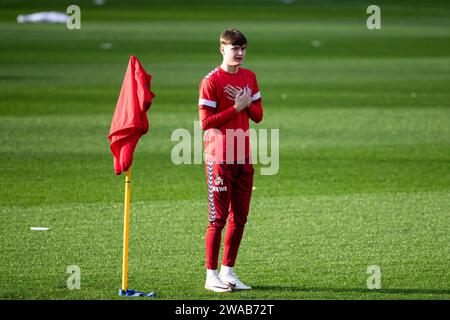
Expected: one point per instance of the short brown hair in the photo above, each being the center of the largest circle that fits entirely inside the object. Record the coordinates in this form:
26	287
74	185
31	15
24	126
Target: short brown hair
233	37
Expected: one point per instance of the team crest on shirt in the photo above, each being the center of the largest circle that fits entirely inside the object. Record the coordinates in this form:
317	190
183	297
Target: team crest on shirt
219	185
218	181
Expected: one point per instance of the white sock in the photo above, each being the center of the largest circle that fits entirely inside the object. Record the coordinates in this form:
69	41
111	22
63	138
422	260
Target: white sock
226	270
211	273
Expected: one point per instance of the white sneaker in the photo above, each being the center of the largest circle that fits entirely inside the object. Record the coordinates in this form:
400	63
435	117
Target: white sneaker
233	281
214	283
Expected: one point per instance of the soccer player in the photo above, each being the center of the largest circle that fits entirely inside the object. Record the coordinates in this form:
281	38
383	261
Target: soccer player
228	97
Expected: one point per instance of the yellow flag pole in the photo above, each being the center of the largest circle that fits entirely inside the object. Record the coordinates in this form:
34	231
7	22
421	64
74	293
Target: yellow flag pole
126	223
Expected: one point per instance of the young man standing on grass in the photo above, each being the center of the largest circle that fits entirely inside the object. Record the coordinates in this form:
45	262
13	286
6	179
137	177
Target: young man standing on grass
228	97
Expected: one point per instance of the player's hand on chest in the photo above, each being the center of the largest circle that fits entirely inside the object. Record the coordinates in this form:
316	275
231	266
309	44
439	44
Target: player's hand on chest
230	90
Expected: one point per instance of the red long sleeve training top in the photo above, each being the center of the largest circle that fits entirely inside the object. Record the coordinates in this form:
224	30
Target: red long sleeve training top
217	114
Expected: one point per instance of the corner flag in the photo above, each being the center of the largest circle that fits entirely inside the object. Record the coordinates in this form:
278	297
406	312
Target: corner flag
129	123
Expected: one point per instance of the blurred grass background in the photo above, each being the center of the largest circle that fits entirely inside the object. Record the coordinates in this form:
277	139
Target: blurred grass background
364	121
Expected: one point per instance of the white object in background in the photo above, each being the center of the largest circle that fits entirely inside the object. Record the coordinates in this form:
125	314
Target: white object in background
43	17
316	43
106	45
39	228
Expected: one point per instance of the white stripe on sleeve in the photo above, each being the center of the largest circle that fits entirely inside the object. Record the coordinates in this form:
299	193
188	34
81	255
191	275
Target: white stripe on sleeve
208	103
256	96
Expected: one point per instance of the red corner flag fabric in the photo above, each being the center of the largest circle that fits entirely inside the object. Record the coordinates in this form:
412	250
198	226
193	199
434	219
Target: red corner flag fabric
130	121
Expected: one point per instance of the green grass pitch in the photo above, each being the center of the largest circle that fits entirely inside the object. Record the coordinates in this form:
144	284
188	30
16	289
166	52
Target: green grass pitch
364	179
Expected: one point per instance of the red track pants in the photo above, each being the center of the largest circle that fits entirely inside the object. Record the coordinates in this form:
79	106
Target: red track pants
229	192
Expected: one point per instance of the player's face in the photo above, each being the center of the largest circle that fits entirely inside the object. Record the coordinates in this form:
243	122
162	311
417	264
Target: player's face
234	55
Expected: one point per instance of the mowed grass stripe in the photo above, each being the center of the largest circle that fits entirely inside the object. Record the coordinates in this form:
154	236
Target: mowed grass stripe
322	246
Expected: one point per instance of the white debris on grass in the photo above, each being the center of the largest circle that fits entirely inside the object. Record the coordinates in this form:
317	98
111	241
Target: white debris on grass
43	17
316	43
99	2
39	228
106	45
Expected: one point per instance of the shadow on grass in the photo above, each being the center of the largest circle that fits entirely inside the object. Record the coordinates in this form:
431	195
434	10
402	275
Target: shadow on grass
350	290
